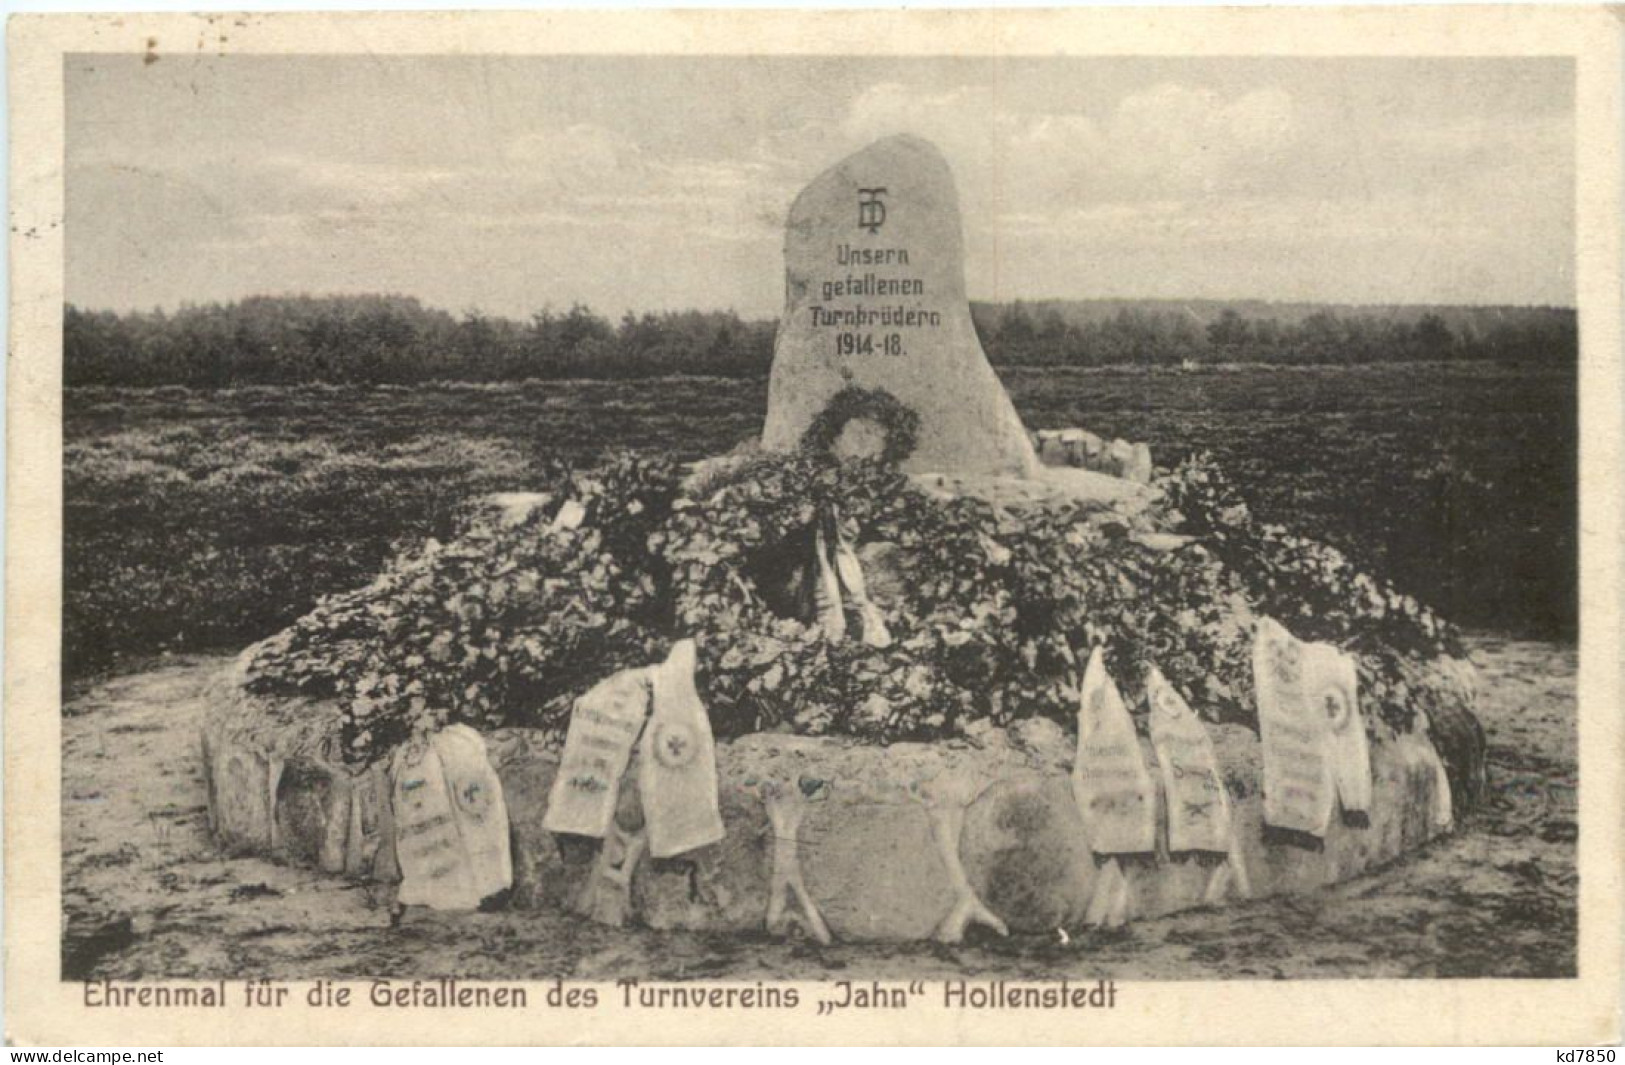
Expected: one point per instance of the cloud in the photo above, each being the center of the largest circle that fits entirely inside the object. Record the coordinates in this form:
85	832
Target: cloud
574	158
357	181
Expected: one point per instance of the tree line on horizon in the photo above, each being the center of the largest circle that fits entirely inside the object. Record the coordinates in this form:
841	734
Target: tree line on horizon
398	340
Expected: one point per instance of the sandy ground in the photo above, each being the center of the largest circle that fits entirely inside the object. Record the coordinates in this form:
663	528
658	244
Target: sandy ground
147	896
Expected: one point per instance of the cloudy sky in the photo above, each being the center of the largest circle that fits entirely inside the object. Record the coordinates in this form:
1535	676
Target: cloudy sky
509	184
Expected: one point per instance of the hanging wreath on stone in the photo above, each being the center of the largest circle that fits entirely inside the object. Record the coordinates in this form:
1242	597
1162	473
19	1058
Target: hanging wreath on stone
864	423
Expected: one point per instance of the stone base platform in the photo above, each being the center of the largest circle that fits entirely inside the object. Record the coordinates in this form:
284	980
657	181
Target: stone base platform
845	840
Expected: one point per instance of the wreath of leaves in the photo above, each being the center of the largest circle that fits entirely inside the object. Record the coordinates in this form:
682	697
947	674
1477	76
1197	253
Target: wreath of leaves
995	610
899	423
955	630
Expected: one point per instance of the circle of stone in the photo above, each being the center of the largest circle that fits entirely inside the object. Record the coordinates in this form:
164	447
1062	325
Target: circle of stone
877	412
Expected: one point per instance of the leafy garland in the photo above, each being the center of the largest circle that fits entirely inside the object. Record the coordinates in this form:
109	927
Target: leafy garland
991	611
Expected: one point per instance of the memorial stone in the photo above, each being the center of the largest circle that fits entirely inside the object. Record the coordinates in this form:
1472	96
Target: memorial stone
677	770
451	823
